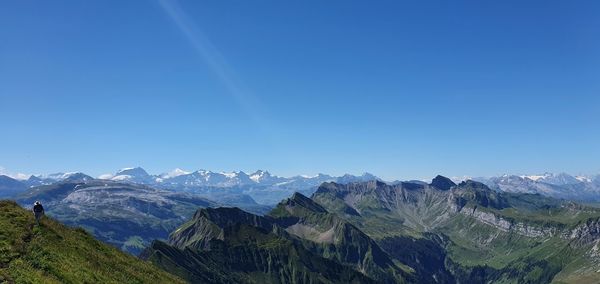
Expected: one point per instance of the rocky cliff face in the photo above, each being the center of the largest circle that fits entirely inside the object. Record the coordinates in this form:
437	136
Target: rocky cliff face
588	232
507	225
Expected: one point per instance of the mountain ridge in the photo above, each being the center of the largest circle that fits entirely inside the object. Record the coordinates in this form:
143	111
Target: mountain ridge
268	189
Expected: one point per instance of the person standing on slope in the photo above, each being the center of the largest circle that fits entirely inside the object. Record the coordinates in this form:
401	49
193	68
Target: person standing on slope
38	211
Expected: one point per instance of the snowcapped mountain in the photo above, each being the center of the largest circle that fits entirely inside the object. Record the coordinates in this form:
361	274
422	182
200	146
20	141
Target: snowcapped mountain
556	179
347	178
266	188
202	178
174	173
179	178
306	181
135	175
264	177
56	176
559	185
263	186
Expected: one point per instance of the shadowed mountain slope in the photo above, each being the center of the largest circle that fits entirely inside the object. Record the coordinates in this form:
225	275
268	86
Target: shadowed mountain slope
227	245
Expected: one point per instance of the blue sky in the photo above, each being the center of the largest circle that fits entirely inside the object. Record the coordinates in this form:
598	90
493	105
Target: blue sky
403	89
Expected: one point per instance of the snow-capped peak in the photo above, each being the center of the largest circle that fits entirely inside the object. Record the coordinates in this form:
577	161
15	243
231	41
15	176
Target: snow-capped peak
535	177
61	176
259	176
583	178
136	172
176	172
229	175
105	176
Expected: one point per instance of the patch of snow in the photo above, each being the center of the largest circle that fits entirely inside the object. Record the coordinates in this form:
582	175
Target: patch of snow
535	177
177	172
456	180
105	176
583	179
17	176
229	175
121	177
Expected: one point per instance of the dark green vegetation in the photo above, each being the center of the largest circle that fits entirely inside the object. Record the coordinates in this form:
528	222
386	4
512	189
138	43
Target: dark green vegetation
53	253
227	245
298	242
331	236
129	216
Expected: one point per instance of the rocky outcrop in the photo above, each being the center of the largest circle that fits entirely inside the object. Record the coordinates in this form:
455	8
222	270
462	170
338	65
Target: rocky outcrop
443	183
588	232
507	225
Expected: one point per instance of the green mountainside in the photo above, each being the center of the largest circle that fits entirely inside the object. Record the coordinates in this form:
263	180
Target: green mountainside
298	242
54	253
334	238
469	233
227	245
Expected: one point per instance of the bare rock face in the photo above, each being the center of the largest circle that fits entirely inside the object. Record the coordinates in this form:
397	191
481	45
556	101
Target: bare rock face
505	225
587	232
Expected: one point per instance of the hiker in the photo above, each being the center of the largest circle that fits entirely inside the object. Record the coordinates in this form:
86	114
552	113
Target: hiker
38	211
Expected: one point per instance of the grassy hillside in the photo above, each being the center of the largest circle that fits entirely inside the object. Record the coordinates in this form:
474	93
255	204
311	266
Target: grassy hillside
54	253
249	254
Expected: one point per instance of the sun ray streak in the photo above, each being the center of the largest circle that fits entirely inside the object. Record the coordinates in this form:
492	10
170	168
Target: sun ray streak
215	60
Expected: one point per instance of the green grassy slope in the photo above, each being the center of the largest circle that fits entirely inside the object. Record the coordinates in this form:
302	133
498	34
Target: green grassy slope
249	254
54	253
330	236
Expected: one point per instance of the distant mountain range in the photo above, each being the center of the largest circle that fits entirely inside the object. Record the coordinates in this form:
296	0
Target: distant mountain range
268	189
564	186
261	186
179	178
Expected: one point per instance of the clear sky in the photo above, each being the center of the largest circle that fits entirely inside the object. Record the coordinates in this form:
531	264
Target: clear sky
402	89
